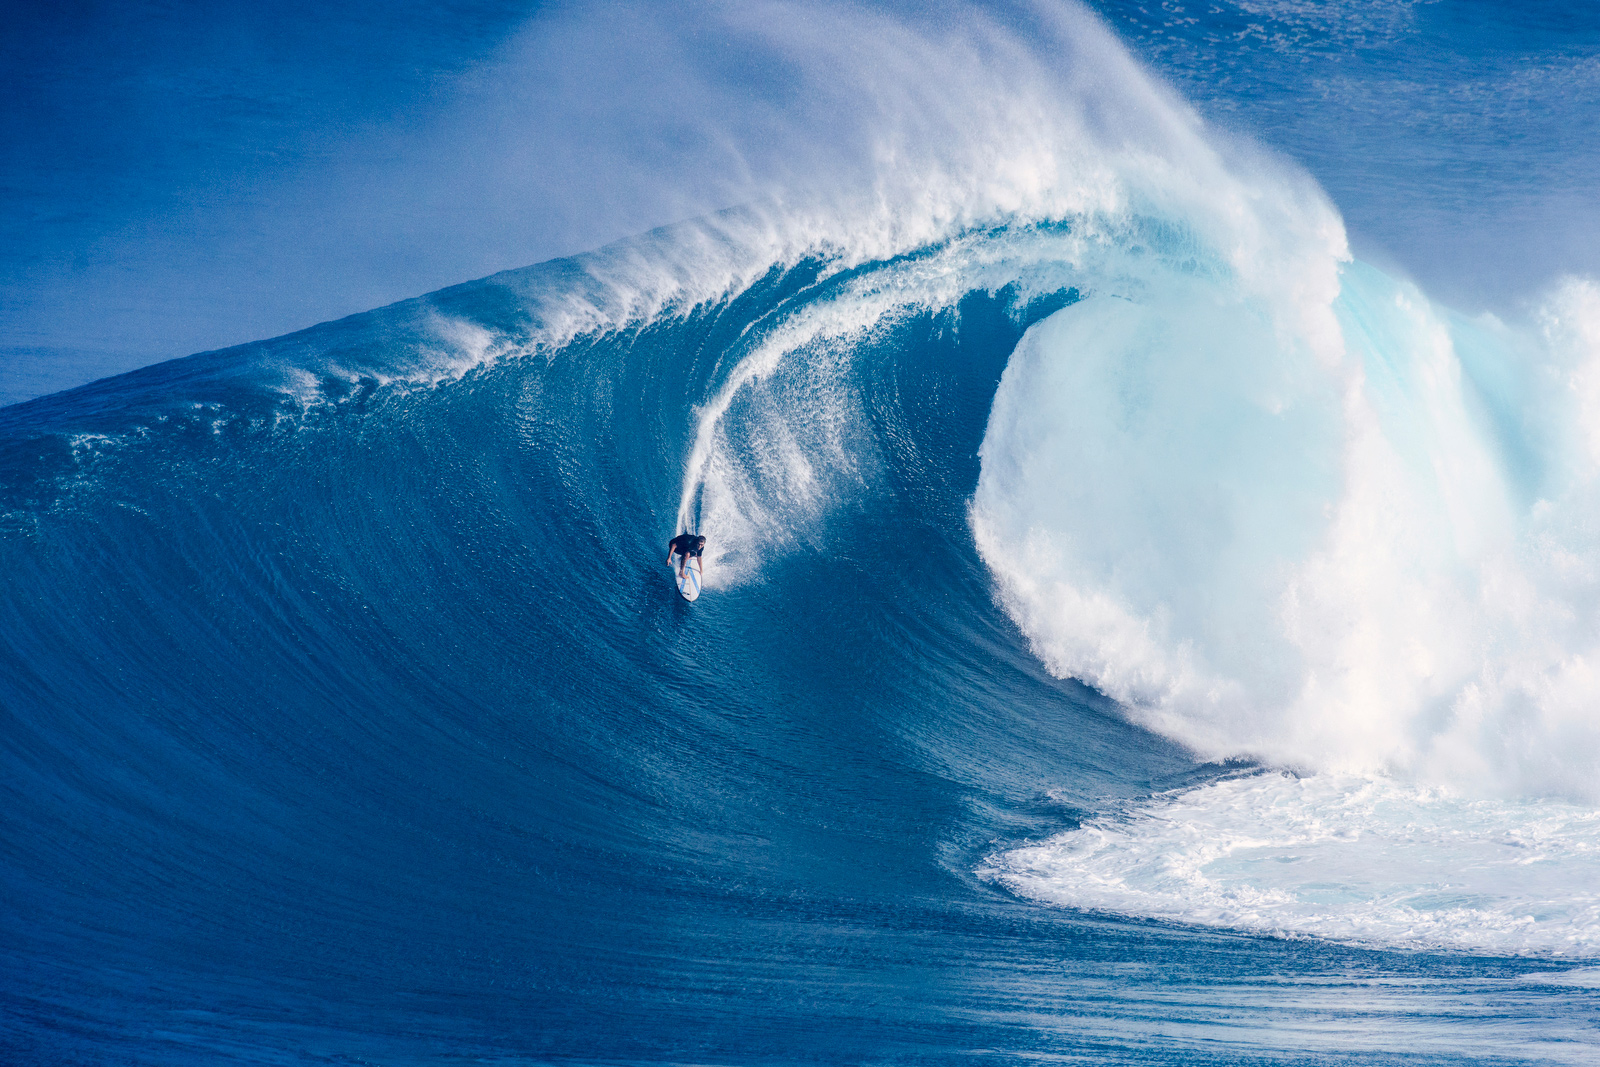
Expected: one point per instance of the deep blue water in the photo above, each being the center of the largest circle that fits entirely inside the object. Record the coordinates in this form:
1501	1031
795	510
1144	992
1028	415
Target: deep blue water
350	715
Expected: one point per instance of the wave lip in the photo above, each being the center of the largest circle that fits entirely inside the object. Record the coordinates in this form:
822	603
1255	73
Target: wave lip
1363	860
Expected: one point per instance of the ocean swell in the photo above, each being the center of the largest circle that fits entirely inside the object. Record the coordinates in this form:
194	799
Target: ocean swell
1048	442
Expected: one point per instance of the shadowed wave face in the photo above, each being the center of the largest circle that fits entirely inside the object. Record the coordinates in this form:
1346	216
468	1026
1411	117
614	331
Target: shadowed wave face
1134	632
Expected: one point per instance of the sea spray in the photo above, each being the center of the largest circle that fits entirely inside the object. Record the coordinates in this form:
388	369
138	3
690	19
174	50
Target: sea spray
1347	566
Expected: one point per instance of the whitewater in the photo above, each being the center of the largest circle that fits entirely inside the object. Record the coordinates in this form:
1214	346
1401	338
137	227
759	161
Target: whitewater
1137	628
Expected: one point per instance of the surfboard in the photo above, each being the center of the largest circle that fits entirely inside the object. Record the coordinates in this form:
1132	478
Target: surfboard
689	584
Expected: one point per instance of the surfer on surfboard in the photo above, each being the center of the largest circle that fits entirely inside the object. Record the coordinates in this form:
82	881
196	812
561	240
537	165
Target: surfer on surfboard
688	546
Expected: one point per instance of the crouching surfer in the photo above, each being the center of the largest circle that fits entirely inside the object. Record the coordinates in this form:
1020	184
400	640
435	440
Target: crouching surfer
687	546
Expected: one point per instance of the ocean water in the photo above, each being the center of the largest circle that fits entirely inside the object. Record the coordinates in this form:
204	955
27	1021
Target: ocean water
1137	629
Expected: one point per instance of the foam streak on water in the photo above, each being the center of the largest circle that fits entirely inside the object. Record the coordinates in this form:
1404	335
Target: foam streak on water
1365	860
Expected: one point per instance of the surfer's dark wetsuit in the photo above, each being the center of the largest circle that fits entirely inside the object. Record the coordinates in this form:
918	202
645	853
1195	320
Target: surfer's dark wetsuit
687	545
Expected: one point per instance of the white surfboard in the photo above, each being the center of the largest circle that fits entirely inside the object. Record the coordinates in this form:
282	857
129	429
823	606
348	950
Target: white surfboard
689	584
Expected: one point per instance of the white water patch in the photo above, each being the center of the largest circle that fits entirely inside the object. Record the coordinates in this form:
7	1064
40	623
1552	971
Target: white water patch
1383	562
1367	860
767	470
1581	977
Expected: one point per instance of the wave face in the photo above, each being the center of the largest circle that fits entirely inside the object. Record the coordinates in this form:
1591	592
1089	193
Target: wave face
1066	490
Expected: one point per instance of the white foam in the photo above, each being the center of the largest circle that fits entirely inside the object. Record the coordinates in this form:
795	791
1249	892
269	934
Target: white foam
1581	977
1336	857
1378	562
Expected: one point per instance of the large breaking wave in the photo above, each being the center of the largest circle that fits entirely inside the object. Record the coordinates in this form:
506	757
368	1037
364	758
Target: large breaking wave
348	653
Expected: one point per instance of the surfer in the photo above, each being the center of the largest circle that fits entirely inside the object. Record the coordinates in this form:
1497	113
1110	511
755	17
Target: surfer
687	545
